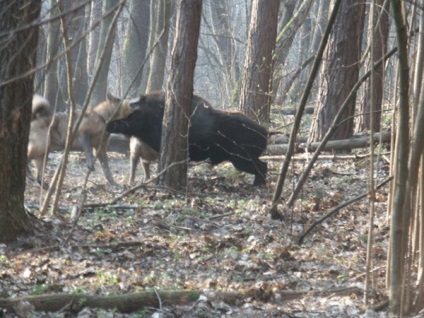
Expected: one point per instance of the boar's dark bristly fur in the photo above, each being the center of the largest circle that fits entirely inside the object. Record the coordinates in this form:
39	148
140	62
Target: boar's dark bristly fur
214	134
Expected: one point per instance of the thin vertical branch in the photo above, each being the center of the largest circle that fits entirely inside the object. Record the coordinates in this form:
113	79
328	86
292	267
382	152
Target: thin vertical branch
296	125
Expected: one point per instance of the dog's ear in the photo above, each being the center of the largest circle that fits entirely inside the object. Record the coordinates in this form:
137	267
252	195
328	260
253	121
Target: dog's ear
112	98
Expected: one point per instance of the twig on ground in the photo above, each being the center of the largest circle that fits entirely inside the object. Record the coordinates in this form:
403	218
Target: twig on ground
338	208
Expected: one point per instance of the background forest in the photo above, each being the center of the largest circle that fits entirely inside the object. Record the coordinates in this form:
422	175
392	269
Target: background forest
337	232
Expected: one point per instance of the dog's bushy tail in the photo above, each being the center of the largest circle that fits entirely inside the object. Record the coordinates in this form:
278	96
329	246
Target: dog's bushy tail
40	107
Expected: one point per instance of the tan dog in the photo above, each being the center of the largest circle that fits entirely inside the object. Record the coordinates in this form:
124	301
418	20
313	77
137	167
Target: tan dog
148	155
91	133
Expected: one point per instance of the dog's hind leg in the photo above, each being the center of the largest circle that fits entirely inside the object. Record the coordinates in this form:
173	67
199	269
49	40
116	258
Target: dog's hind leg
40	167
135	153
29	173
85	142
101	153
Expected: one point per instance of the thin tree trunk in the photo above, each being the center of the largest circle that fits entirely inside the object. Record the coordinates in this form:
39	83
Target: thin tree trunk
381	33
51	85
174	146
398	229
100	88
135	46
159	44
93	15
256	87
76	25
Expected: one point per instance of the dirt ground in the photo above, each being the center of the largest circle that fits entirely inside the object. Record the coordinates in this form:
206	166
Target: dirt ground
216	237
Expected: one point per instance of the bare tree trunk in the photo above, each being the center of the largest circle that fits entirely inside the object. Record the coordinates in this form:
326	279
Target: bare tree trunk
256	87
51	87
135	46
174	146
340	72
93	14
284	45
100	87
17	57
398	226
224	38
159	44
381	33
76	26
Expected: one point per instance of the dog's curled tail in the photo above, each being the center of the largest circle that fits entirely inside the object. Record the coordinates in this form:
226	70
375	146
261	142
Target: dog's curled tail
40	107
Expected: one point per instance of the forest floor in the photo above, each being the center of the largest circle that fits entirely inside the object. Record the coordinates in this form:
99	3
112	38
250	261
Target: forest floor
217	237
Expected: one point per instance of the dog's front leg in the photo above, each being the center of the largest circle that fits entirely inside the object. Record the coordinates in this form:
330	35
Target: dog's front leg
85	142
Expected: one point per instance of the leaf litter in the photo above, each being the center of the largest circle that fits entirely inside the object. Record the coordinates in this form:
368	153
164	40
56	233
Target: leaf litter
216	237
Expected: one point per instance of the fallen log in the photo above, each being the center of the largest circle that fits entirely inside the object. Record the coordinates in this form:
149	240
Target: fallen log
126	303
333	145
292	110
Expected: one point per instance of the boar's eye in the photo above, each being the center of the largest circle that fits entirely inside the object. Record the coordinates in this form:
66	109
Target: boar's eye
134	102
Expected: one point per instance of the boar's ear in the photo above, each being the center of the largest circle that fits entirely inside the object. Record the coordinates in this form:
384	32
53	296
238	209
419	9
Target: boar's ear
112	98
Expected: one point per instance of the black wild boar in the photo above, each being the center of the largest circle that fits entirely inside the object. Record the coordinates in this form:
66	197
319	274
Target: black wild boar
213	134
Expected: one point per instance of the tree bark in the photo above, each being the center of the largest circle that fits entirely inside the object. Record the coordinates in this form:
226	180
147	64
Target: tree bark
256	87
135	46
400	217
381	34
228	69
51	87
93	15
100	86
17	57
293	22
340	72
76	26
158	44
174	146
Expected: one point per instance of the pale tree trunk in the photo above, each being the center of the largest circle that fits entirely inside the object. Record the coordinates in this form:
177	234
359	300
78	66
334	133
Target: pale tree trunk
76	27
17	57
398	223
51	85
174	147
158	43
93	15
418	236
321	13
340	72
229	70
381	34
100	86
255	97
135	46
284	45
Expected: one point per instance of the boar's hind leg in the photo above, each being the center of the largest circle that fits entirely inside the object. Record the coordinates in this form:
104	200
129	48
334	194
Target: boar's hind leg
254	166
260	176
